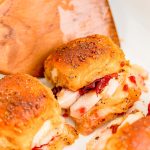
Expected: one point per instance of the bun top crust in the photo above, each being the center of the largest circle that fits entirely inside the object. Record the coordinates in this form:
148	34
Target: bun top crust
22	98
131	137
25	104
83	60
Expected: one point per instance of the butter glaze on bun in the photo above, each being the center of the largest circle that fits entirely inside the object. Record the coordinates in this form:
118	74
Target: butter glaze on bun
25	105
81	61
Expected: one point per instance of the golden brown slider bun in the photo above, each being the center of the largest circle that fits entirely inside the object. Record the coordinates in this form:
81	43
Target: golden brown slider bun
27	108
83	60
131	137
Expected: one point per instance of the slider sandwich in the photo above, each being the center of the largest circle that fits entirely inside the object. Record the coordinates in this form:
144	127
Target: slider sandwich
93	80
30	116
110	130
134	136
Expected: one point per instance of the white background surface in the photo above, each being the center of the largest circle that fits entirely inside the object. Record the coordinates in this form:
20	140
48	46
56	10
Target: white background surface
132	19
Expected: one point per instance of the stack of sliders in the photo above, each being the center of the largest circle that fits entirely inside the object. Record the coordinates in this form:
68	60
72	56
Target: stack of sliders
30	116
132	134
94	81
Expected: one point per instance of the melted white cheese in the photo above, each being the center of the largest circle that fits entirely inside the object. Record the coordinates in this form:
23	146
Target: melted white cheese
139	70
132	118
104	136
104	112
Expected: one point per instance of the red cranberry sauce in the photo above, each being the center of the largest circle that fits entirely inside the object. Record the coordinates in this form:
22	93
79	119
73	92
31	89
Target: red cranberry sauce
44	145
98	85
148	109
40	147
55	90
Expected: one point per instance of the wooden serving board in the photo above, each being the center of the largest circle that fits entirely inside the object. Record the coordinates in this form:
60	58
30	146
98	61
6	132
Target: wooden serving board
30	29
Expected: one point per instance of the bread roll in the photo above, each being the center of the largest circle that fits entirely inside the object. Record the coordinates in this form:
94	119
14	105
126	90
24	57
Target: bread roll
30	116
81	61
